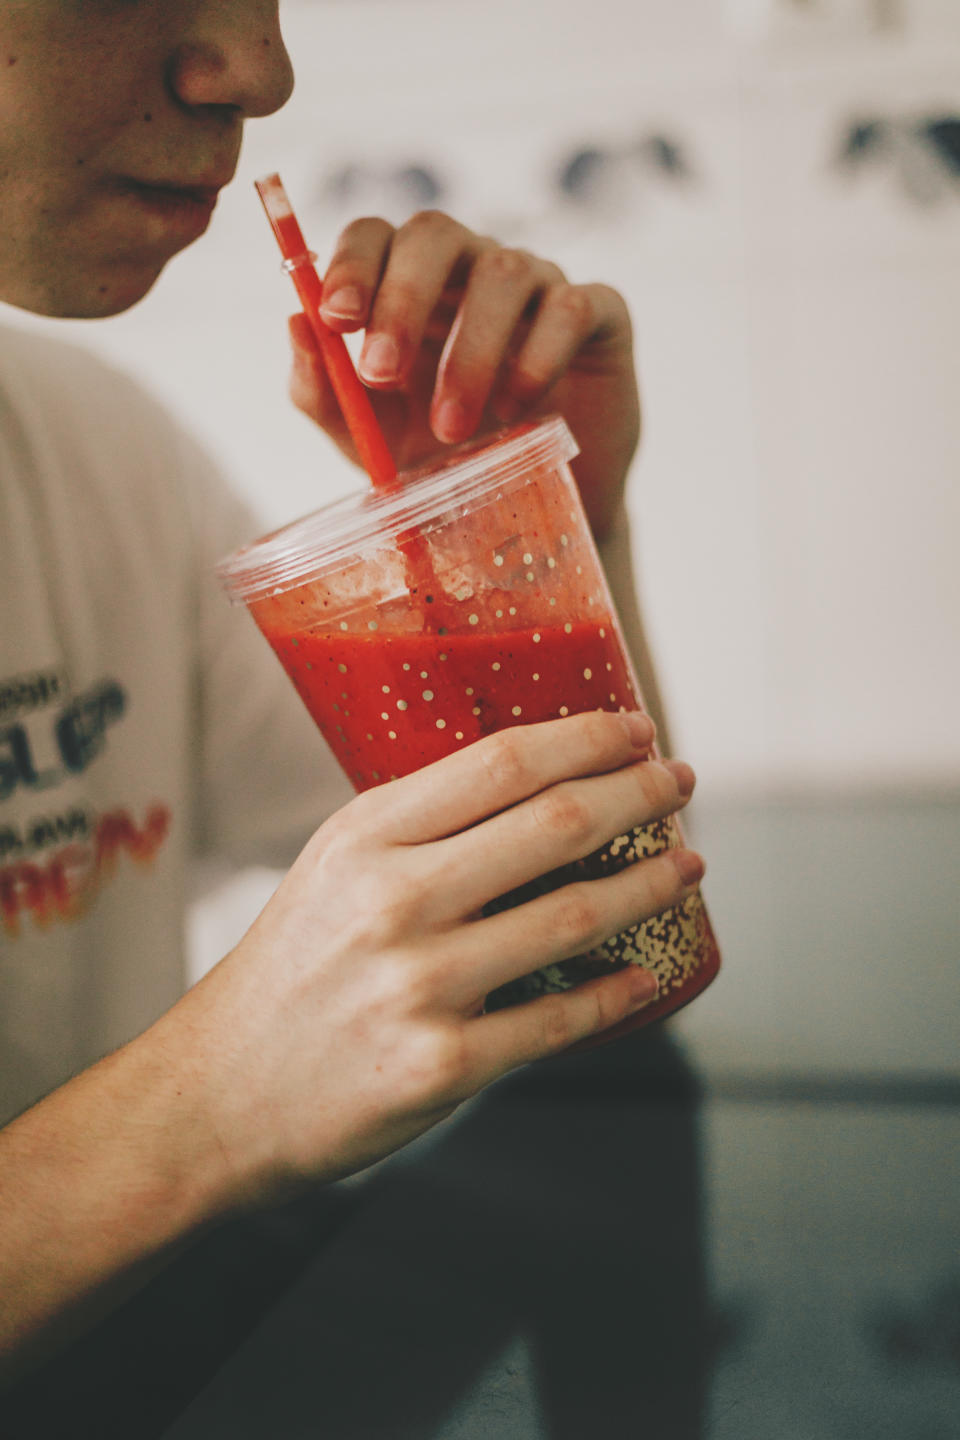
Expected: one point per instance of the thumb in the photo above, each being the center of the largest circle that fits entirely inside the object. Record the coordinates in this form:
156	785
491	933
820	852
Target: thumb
310	390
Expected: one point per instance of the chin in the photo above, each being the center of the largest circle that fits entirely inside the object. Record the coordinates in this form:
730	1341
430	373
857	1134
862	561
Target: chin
111	295
76	296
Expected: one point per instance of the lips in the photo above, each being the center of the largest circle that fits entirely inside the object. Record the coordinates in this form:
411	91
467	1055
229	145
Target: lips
199	194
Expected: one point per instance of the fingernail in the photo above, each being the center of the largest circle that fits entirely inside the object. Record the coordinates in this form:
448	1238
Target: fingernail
690	866
683	775
450	422
644	985
639	727
380	359
344	304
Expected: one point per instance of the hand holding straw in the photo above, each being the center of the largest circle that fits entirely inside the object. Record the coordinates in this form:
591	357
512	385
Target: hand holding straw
351	395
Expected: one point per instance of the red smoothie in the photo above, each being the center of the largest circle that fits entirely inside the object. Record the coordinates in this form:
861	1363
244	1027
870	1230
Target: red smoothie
389	703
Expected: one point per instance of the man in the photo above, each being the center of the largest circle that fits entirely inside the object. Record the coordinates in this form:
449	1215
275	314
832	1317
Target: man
141	722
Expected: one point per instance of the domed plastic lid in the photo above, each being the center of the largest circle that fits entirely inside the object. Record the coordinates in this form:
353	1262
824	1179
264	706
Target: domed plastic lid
337	533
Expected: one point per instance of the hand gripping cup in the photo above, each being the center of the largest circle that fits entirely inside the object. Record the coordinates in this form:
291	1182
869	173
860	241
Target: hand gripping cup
467	598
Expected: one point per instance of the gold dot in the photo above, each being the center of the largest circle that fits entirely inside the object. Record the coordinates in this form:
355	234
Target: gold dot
552	600
536	637
512	610
499	614
474	619
372	625
530	575
342	669
343	695
536	677
337	708
476	710
564	710
613	698
609	665
376	774
343	624
564	540
441	724
469	690
443	657
579	569
405	665
428	694
551	563
603	633
423	674
401	704
385	689
495	665
527	558
384	715
568	628
370	737
498	559
459	735
392	734
516	710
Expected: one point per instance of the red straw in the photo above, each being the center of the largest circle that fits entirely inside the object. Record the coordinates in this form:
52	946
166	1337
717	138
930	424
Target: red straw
353	398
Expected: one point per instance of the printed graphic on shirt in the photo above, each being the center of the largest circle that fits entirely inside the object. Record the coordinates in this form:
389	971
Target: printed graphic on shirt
53	865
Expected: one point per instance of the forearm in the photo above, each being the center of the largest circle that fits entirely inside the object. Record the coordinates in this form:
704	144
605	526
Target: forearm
616	556
99	1183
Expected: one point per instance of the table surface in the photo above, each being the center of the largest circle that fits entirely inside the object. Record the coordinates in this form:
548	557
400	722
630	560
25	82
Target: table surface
597	1248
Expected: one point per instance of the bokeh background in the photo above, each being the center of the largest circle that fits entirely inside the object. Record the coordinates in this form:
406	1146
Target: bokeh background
775	187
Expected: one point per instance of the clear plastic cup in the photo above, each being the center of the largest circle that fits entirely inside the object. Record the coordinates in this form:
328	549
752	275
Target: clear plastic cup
466	599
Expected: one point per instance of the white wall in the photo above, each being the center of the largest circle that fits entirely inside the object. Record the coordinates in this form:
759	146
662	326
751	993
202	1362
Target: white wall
796	499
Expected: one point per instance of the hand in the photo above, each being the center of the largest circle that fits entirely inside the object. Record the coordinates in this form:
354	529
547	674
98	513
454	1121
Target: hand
350	1017
464	335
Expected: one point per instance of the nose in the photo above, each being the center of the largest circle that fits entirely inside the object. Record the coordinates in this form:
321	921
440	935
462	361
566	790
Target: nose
234	57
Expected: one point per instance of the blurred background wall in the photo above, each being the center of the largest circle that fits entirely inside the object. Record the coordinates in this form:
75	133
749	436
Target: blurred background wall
775	187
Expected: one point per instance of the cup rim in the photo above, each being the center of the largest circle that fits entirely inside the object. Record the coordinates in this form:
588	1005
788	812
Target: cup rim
332	536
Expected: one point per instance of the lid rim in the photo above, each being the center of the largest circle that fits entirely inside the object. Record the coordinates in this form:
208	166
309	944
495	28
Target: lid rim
276	562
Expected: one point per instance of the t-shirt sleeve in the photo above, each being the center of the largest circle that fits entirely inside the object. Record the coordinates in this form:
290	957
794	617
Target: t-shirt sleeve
265	778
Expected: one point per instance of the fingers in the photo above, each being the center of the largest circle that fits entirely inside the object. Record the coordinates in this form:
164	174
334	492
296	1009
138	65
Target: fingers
567	922
555	827
569	318
354	273
502	770
390	281
503	285
310	390
509	323
511	1037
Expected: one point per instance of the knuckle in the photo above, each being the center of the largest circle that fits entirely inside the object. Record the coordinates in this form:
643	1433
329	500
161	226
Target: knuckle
434	1066
437	221
572	303
602	730
504	263
652	783
556	1028
504	760
663	882
577	921
560	812
362	229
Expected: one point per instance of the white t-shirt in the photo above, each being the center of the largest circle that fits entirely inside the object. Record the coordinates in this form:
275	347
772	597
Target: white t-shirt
143	719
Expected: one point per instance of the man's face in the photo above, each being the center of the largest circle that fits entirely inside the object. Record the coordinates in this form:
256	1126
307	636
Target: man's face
119	121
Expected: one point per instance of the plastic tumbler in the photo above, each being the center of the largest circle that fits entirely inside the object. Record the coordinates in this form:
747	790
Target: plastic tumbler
465	599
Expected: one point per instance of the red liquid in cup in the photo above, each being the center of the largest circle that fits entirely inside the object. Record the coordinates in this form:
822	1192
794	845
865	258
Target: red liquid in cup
427	640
